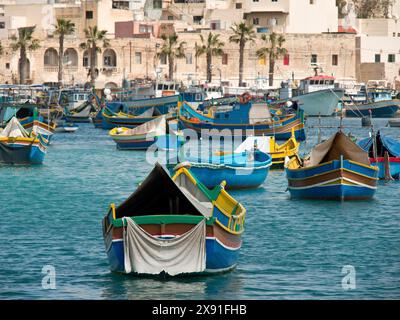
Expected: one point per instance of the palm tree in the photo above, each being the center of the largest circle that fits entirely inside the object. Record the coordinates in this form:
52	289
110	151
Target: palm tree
243	33
63	28
172	49
24	43
273	52
212	47
95	38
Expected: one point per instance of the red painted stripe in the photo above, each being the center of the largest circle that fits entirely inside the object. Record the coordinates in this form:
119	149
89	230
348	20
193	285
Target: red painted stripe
380	159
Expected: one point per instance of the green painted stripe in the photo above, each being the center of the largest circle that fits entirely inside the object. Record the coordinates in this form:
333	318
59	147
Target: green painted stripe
164	219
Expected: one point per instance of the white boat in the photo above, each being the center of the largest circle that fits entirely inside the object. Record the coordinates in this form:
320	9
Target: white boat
316	96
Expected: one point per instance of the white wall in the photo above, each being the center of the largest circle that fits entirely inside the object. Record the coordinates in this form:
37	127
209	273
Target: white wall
322	16
369	46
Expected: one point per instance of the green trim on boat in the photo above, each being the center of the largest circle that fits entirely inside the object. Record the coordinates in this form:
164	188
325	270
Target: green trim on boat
165	219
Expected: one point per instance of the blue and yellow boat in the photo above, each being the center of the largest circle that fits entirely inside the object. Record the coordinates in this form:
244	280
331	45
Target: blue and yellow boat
242	170
243	120
17	146
337	169
174	226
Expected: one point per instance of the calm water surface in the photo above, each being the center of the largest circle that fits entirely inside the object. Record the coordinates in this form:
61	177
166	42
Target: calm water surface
51	215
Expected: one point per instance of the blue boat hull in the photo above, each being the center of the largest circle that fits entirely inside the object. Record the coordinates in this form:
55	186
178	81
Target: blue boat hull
380	109
235	178
218	257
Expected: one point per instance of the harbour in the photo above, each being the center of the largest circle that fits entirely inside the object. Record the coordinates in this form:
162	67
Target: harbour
292	249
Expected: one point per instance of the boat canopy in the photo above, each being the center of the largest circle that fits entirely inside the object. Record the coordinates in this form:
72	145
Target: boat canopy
157	127
14	130
383	144
158	194
335	147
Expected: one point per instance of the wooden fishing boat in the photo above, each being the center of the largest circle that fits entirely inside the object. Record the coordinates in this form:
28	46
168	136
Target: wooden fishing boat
17	146
242	119
384	153
178	226
156	132
244	170
112	120
80	114
376	109
36	125
280	153
394	123
337	169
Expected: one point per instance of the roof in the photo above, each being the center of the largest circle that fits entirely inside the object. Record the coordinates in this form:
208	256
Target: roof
320	77
342	29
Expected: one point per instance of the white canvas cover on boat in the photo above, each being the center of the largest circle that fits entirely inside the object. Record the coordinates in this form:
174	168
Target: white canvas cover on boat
156	127
85	112
145	254
263	144
147	114
14	130
259	112
335	147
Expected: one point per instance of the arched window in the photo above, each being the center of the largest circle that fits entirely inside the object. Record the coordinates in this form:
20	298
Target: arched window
86	59
71	57
109	58
51	57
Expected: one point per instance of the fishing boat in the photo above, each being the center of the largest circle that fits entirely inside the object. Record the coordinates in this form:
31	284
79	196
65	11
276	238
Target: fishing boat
66	127
383	152
242	119
394	123
337	169
35	124
17	146
112	120
174	226
80	114
280	153
145	135
374	109
316	96
244	170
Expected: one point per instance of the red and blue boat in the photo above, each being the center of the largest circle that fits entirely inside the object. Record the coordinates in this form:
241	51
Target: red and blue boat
384	153
337	169
242	119
174	226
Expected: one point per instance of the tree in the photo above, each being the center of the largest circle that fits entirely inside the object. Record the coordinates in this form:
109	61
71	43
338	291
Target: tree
95	38
62	28
24	43
273	52
366	9
212	47
243	33
172	49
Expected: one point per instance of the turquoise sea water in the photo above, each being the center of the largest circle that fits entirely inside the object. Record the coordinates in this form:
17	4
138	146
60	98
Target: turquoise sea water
51	215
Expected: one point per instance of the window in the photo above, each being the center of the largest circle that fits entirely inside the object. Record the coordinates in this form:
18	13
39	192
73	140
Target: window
163	59
85	60
335	59
189	58
109	58
286	60
170	18
257	0
377	58
138	58
157	4
89	14
314	59
312	1
51	57
238	6
262	61
391	58
2	25
255	21
224	58
7	65
143	28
